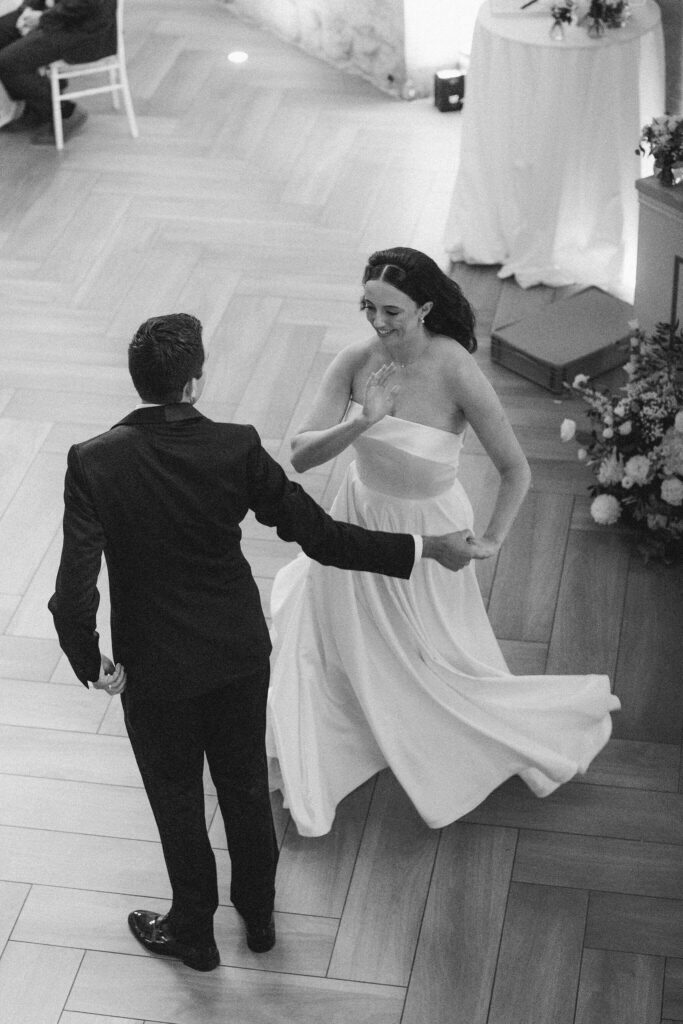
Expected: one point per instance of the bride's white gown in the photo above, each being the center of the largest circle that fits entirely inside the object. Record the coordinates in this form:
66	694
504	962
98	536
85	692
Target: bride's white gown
370	671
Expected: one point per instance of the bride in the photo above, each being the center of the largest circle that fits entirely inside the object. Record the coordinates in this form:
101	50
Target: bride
371	671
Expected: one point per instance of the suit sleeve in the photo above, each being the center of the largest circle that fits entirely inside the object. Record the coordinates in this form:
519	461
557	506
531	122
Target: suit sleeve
76	598
277	501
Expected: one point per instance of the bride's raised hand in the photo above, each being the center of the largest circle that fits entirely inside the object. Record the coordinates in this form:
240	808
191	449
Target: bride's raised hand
380	393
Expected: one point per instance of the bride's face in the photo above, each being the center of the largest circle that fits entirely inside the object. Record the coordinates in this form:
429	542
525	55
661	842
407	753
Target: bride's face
392	313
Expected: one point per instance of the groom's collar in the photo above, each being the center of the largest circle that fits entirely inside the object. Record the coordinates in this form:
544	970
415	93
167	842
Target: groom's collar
161	414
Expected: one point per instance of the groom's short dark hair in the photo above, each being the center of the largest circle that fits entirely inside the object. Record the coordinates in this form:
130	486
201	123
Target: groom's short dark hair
165	353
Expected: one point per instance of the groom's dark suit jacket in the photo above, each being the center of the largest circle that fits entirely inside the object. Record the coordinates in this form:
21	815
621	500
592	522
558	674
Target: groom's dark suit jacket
162	494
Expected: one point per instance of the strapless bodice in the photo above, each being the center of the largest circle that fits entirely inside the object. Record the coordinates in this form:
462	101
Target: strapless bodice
406	459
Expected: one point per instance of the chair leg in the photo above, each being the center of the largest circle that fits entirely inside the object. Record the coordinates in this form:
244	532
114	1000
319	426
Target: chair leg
56	110
113	81
127	102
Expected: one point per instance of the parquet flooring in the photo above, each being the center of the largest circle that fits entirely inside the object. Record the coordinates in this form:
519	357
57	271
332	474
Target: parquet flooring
252	198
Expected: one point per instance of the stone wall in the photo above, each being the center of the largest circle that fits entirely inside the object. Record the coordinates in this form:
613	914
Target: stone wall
362	38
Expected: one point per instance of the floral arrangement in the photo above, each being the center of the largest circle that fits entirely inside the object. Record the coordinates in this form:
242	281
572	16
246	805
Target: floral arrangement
606	14
563	11
635	447
664	138
600	15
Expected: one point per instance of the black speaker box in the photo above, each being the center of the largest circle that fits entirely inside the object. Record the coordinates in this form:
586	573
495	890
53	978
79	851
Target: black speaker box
449	90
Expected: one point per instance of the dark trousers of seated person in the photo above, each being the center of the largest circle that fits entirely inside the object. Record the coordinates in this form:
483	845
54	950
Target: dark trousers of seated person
169	740
21	57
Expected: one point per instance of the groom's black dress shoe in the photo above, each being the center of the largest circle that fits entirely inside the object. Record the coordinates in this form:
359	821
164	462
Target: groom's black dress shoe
260	933
153	931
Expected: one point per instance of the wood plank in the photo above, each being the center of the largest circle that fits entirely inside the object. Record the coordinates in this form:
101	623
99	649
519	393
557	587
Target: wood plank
635	764
544	931
620	987
648	676
35	511
72	861
20	441
49	705
672	1004
12	898
23	657
457	952
78	757
89	1018
592	862
383	912
524	595
524	658
313	875
35	981
98	921
586	632
178	995
235	349
635	924
80	807
33	617
587	810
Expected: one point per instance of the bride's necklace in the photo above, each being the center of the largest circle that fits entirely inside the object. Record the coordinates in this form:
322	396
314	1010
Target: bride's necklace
403	365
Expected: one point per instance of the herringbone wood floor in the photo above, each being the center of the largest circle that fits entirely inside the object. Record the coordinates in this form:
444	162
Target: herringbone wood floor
252	198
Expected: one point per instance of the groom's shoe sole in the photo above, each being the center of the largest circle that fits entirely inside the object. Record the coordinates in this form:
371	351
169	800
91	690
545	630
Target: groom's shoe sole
149	929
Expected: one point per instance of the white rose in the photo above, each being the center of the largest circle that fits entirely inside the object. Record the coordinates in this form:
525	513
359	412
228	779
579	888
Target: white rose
580	380
629	368
608	432
582	455
633	325
638	468
672	491
626	427
605	509
627	482
567	430
678	422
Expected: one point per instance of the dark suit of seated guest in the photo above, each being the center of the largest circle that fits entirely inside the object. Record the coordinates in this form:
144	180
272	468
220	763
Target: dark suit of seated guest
42	31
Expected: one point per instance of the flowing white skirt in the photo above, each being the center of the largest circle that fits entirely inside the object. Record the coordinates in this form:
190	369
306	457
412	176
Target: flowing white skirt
370	671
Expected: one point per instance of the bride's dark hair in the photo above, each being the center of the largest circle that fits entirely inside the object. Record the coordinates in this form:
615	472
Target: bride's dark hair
422	280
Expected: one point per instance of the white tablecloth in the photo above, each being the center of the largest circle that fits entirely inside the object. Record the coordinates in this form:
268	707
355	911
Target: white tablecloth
546	183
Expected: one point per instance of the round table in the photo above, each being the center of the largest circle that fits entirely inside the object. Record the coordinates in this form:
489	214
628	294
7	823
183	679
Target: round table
546	182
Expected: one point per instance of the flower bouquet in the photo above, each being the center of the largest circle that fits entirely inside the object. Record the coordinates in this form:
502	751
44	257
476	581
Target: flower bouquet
664	137
604	14
635	446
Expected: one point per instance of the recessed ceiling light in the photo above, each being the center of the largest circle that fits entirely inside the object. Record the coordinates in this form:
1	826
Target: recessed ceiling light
238	57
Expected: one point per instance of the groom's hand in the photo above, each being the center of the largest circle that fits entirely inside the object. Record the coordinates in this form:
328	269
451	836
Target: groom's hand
455	550
112	678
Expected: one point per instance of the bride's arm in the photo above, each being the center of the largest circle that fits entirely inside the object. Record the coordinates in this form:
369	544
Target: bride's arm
484	412
324	433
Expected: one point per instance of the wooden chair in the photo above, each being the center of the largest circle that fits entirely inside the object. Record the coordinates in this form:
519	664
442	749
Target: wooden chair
113	66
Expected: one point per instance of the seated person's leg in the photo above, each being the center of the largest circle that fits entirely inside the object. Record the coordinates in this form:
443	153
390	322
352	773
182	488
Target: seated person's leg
20	62
8	29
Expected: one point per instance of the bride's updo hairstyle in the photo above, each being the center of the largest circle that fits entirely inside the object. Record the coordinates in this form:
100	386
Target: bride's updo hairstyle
422	280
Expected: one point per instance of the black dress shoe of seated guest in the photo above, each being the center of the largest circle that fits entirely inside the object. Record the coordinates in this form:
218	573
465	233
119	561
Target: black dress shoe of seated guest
153	931
27	122
45	136
260	933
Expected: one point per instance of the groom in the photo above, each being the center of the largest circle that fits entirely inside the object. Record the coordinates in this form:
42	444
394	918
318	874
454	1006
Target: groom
162	494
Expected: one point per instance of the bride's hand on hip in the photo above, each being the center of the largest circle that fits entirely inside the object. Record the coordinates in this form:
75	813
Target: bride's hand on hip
380	393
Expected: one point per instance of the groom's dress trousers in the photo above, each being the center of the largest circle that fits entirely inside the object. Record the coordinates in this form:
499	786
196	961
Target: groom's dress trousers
162	495
76	31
